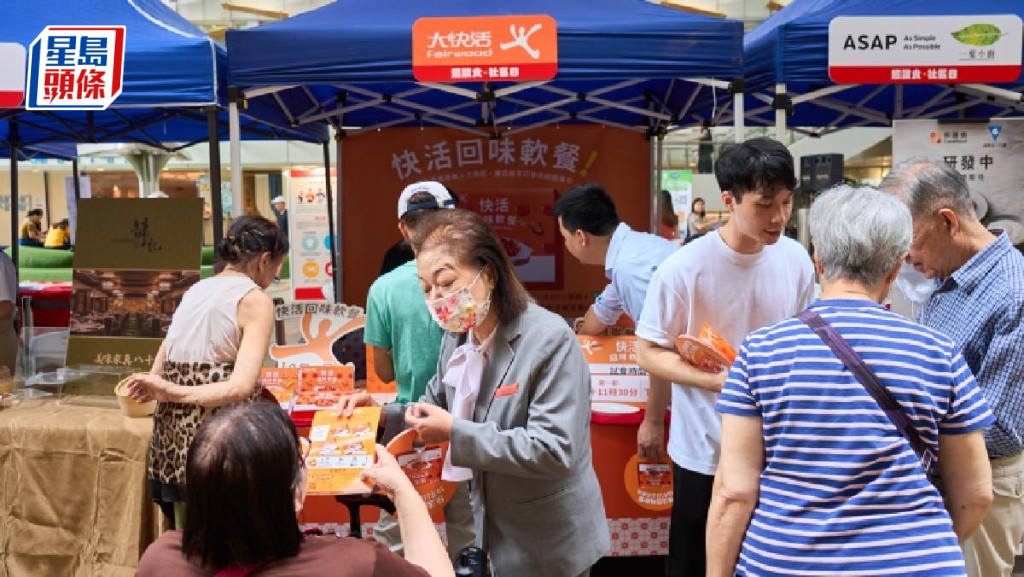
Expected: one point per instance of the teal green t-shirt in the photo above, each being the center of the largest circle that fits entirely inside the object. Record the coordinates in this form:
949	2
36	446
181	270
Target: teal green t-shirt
397	319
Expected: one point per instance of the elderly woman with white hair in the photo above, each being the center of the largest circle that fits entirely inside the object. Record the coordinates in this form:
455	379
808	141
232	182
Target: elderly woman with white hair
815	477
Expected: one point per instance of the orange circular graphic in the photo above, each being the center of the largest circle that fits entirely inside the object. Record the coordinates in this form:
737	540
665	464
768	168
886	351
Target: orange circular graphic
423	464
310	269
649	482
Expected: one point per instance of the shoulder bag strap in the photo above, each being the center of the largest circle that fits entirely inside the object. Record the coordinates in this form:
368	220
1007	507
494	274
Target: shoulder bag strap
842	349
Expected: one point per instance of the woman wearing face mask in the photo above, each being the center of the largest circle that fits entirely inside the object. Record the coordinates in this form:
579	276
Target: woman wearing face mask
512	396
213	351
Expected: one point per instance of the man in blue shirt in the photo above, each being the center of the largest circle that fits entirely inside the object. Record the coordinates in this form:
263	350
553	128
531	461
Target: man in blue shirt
594	234
979	302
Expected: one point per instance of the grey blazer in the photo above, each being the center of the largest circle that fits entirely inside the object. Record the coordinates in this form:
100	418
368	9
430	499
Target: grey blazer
538	506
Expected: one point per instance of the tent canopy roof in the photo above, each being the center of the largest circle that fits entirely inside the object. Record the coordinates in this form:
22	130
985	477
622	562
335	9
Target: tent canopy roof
171	70
791	47
354	55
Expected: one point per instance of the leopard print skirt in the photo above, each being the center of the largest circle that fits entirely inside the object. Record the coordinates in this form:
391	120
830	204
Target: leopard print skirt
175	426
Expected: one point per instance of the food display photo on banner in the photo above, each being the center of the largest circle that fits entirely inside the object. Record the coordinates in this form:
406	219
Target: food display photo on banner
134	260
988	154
522	219
309	234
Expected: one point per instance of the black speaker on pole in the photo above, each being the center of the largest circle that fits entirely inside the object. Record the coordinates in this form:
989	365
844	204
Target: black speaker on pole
818	172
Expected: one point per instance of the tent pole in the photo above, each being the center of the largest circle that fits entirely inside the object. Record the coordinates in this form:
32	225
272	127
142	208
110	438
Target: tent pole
12	131
217	207
736	88
339	269
235	135
659	146
330	219
77	183
652	150
780	112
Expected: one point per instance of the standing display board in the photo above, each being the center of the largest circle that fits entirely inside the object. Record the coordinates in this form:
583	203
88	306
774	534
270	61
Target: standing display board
987	154
309	235
679	184
134	260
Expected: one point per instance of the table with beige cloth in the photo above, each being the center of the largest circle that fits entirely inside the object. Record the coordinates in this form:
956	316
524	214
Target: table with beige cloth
73	490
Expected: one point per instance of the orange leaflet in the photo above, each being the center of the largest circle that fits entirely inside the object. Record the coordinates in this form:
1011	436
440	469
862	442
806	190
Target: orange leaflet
340	448
321	387
423	464
281	382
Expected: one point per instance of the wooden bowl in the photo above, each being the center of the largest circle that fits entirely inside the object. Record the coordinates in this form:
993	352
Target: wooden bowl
130	407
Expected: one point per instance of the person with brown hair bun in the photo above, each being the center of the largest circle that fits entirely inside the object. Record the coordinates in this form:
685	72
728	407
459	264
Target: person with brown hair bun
213	351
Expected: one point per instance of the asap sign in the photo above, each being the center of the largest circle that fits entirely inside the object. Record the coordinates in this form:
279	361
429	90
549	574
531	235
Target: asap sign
924	49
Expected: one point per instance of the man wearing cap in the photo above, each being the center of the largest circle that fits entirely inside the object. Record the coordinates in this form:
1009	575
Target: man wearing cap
405	343
281	212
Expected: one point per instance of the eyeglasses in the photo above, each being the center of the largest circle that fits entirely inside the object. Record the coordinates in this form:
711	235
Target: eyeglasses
304	446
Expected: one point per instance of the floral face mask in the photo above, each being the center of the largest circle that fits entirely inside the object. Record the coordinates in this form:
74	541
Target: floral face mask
459	311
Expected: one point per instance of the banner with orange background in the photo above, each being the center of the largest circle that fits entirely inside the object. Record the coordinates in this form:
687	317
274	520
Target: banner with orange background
528	169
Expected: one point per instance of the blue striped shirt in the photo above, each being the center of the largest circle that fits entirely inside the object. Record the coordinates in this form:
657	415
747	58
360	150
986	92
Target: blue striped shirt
981	307
842	492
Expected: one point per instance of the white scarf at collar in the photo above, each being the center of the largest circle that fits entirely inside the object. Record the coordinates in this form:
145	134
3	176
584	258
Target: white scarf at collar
464	372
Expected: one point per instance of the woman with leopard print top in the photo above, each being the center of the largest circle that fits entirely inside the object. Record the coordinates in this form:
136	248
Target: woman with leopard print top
213	352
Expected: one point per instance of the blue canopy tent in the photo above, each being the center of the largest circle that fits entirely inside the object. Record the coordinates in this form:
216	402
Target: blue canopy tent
786	71
625	63
60	150
174	81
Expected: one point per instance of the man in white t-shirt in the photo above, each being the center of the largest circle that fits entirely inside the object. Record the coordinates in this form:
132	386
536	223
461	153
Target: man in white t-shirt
739	278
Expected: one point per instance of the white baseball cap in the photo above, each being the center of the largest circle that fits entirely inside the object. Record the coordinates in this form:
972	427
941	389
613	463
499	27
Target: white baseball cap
442	198
277	199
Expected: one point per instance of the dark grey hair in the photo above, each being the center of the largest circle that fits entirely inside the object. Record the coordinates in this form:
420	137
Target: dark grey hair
927	186
859	234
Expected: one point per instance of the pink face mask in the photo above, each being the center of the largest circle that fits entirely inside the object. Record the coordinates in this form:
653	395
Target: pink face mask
459	311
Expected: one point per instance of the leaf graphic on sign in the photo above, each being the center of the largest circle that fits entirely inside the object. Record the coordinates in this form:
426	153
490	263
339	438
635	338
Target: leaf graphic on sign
978	35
